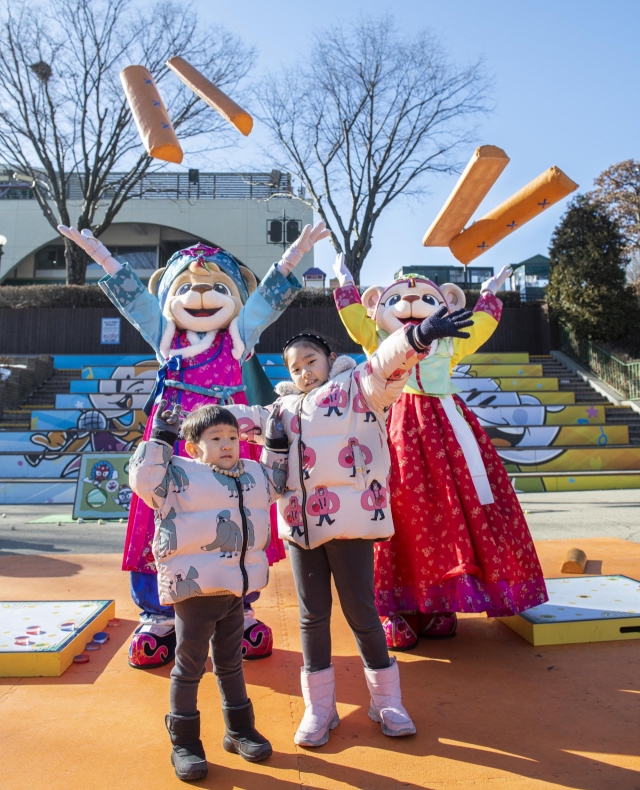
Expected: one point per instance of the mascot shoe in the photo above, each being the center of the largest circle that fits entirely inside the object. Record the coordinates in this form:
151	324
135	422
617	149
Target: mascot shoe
401	631
441	625
154	643
257	640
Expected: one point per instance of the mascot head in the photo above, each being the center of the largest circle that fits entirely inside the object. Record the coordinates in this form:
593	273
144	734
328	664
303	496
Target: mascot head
409	300
202	288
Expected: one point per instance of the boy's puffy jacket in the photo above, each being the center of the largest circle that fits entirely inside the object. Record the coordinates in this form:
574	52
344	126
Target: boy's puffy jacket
338	456
211	531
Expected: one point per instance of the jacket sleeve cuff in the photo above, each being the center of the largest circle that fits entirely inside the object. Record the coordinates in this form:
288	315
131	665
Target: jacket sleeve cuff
346	295
489	303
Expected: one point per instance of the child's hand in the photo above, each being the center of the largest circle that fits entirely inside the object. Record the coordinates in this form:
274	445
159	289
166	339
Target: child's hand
166	423
275	436
439	325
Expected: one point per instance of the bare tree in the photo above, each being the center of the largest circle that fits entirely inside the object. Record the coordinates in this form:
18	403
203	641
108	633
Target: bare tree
63	115
363	117
618	189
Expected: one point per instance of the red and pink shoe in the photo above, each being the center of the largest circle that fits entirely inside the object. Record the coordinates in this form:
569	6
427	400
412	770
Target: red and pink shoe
401	631
153	643
441	625
257	640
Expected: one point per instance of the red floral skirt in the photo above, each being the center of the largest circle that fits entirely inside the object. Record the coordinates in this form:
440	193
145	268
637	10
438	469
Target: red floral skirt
450	553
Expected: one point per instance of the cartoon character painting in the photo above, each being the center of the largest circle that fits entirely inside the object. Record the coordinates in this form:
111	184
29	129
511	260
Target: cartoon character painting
323	503
202	313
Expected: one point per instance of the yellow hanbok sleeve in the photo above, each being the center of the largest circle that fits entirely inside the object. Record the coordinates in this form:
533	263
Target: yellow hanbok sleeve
353	315
486	316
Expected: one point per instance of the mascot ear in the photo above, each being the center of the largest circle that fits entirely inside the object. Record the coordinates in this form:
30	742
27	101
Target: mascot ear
453	295
371	297
249	278
154	280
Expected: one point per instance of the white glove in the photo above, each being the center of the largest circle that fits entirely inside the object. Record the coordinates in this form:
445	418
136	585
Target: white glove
302	244
93	247
340	270
493	284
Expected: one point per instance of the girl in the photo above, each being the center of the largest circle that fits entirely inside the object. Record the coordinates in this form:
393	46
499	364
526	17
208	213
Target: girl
326	517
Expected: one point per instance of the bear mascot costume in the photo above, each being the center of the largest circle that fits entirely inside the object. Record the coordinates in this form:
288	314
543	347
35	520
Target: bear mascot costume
202	314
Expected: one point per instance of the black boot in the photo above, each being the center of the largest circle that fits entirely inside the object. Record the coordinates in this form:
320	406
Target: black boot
187	756
242	737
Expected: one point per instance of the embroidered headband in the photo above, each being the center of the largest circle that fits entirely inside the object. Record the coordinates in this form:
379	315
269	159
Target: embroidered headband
180	260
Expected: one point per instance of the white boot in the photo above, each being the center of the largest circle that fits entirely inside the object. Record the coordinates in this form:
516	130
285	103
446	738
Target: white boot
321	714
386	701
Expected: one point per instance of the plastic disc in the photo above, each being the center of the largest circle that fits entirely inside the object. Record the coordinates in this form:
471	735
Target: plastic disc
114	623
101	637
81	659
92	646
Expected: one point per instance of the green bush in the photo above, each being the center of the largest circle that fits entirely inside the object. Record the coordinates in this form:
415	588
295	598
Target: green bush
587	288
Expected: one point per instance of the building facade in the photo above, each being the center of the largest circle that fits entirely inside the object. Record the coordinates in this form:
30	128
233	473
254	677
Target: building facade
239	212
464	276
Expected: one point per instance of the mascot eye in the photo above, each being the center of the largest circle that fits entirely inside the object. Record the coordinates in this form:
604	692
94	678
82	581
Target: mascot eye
222	289
429	299
183	289
393	299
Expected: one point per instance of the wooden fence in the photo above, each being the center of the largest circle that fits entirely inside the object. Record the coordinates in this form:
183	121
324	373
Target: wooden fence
66	330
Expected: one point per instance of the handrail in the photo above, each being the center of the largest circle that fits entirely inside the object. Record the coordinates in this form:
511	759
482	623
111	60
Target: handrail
622	376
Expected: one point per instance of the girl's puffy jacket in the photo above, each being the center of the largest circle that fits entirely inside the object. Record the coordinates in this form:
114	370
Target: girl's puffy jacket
338	455
211	531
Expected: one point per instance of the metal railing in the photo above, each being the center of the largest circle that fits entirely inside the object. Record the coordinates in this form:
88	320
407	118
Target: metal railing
174	186
622	376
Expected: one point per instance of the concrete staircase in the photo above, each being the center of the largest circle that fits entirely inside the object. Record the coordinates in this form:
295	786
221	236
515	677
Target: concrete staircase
551	428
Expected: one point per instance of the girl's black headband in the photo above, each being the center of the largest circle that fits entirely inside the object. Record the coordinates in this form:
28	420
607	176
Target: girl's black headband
308	336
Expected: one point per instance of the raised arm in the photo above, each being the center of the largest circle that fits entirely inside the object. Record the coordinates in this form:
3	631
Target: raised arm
352	312
277	289
123	286
383	377
486	315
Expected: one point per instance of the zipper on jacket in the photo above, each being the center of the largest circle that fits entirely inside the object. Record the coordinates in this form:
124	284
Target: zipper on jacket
245	538
301	470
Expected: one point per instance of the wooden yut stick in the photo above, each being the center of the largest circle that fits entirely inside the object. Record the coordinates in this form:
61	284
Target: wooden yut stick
480	174
150	114
574	562
213	96
545	190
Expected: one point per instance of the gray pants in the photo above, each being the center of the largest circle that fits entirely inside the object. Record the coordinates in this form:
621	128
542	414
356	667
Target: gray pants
351	563
215	619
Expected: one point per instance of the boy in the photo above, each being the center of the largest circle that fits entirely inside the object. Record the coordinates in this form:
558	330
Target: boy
212	529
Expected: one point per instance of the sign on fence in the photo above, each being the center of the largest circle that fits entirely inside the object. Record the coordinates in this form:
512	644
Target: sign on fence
110	331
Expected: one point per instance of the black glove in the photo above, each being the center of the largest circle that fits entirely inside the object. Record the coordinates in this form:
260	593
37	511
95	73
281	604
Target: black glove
166	423
439	325
275	436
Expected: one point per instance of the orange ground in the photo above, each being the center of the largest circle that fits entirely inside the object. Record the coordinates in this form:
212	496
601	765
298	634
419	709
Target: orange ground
491	710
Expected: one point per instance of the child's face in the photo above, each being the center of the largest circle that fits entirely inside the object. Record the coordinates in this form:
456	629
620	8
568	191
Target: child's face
218	444
309	368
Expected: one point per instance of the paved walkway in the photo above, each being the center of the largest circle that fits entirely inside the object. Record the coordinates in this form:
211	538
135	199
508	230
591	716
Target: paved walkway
492	711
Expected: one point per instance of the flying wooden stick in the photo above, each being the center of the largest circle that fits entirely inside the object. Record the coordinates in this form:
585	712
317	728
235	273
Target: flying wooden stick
483	170
150	114
545	190
212	95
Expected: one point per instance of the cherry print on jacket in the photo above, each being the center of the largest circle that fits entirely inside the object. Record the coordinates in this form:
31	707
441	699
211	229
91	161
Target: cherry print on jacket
308	459
359	403
374	499
335	398
353	454
293	516
323	503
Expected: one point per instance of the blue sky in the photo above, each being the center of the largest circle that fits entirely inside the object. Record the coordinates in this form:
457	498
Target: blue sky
567	91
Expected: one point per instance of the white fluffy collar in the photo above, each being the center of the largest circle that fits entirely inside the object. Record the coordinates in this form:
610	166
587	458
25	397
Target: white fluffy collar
341	365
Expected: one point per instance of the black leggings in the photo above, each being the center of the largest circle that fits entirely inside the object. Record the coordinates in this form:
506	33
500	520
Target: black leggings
351	563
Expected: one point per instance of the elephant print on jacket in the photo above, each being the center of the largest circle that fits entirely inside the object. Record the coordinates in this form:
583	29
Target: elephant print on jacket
186	586
355	456
323	503
375	499
228	536
293	516
167	539
335	398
